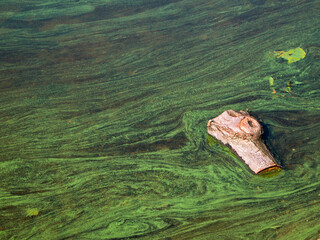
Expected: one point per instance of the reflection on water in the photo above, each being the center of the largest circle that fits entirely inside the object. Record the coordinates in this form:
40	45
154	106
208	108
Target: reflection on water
103	119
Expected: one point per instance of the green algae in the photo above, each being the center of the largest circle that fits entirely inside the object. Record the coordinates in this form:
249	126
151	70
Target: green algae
43	13
31	212
292	55
103	120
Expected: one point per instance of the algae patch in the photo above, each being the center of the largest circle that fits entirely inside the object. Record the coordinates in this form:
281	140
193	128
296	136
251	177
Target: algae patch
292	55
32	212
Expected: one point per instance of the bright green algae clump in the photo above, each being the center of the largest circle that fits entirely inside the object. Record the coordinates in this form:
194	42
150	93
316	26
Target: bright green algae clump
293	55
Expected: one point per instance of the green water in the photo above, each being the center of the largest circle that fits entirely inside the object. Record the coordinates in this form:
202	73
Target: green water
103	113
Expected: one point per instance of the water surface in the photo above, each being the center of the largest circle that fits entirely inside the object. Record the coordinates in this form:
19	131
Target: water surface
103	112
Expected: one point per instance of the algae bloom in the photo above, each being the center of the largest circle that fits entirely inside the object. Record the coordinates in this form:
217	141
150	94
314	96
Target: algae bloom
293	55
31	212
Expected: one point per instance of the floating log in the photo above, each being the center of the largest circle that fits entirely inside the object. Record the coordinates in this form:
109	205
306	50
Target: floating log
242	133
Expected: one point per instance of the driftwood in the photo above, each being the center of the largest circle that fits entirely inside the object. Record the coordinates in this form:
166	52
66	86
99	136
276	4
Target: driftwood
242	133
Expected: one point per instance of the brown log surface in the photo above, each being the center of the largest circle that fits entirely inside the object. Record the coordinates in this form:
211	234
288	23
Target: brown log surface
242	133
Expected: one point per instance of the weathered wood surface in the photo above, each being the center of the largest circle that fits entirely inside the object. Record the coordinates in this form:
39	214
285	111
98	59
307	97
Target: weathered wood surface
242	133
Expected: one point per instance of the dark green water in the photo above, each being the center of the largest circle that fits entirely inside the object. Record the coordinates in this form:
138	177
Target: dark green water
103	113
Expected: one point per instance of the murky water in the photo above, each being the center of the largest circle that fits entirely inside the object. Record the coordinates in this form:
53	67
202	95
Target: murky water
104	106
